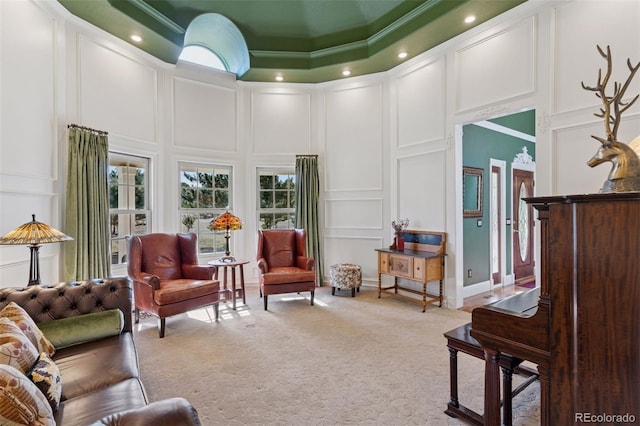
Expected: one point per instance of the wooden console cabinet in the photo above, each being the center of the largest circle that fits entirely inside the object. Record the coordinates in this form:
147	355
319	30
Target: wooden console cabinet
421	261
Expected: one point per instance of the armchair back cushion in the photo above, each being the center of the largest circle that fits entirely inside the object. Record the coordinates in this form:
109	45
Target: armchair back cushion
280	248
164	254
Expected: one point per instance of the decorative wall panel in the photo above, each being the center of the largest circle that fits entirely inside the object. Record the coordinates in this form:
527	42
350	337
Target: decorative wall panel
354	139
205	116
498	68
421	190
28	91
573	147
353	214
421	104
116	93
281	123
358	250
613	23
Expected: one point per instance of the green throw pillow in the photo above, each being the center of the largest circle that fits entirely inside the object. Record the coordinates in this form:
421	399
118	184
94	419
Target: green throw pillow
71	331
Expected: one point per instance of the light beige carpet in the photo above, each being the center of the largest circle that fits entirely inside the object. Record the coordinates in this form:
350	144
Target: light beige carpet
344	361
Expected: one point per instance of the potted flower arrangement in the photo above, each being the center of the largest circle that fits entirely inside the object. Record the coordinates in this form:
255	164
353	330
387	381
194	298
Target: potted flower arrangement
399	227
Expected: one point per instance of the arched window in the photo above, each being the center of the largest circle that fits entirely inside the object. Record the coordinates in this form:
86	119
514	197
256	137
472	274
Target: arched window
223	43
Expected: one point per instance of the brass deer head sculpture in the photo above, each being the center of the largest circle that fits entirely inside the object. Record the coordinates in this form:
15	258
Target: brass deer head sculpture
625	171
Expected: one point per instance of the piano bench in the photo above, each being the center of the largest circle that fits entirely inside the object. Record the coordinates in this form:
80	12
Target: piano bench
460	340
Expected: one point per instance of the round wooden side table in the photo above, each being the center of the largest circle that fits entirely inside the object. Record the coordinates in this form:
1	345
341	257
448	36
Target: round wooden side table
235	291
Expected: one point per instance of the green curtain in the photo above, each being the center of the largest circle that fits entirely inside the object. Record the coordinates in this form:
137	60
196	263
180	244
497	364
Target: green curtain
307	199
87	206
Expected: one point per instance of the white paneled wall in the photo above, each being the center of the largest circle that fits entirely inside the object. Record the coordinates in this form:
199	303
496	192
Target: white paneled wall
497	68
354	137
116	92
421	104
281	122
204	116
388	144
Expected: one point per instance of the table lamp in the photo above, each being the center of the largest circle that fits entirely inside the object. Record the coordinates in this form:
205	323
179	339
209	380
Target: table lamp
226	222
33	234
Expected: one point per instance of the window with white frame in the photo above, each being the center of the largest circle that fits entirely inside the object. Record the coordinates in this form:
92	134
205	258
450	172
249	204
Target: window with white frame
276	198
205	193
129	212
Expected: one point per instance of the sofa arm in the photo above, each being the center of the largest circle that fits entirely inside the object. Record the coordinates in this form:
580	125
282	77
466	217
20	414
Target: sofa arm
305	263
168	412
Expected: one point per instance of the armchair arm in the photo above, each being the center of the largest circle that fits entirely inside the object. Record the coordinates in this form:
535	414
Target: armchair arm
169	412
199	272
305	263
262	265
148	280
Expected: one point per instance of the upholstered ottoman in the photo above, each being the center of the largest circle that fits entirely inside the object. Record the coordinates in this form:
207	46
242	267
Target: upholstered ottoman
345	276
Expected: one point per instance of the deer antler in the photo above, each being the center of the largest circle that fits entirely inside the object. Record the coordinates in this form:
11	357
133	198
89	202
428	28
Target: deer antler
616	99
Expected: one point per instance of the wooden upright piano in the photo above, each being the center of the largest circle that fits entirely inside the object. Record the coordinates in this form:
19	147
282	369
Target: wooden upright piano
584	330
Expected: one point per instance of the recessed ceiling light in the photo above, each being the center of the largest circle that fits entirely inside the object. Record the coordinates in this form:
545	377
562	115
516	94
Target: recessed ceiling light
346	73
136	38
279	77
469	19
402	55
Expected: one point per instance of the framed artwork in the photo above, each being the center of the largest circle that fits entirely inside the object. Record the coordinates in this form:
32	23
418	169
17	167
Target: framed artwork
472	178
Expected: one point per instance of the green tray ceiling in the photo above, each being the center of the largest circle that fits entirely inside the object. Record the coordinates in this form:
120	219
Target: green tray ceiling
306	41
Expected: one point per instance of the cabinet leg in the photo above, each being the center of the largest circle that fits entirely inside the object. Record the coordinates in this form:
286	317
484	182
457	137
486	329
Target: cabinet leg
424	297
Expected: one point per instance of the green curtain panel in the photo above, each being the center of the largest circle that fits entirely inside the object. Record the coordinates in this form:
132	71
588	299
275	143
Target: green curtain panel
307	199
87	207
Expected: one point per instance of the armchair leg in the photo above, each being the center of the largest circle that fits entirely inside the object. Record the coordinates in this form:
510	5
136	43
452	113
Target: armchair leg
265	302
216	309
161	322
312	294
136	315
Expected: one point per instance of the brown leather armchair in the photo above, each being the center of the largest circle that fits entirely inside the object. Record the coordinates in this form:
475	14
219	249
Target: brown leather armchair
167	279
283	263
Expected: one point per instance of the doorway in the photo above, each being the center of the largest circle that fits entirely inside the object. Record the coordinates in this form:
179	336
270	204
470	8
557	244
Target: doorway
498	146
523	221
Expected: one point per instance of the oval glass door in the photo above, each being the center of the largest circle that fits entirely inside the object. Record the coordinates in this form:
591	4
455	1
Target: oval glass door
523	256
523	222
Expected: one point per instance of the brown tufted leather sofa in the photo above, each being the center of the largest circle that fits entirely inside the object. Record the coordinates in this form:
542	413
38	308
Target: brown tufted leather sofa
100	379
283	263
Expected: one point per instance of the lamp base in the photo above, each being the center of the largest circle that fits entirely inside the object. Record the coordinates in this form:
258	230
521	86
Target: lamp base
227	259
34	265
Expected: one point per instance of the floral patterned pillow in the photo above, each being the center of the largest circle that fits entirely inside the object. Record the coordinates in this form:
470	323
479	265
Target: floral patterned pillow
21	403
17	314
16	349
45	374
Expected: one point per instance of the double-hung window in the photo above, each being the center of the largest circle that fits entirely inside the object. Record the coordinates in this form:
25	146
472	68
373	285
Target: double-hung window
129	212
205	193
276	198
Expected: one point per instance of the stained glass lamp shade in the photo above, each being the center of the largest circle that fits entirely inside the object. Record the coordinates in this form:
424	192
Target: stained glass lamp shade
34	234
226	222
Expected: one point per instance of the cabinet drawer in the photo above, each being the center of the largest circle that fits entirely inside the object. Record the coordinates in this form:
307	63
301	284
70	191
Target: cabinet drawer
401	266
383	263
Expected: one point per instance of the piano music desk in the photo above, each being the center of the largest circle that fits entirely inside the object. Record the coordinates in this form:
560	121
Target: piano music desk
460	340
421	261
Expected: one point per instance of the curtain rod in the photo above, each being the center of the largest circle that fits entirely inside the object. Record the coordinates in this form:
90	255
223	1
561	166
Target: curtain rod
75	126
306	155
